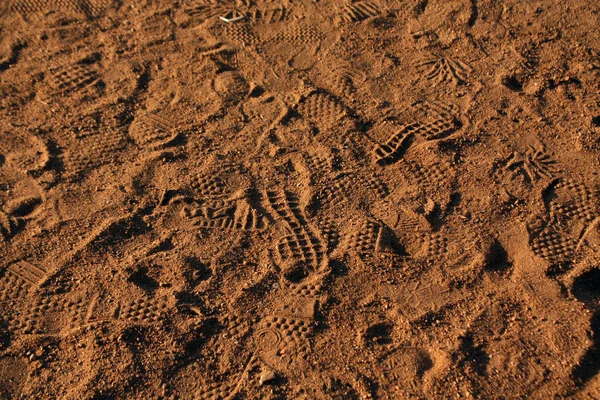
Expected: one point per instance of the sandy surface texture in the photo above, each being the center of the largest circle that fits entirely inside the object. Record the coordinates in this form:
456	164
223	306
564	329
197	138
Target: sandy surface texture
299	199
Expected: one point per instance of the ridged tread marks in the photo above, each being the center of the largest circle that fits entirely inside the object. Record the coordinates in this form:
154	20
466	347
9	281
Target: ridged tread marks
88	7
299	35
399	142
301	245
269	14
208	9
358	11
228	214
444	70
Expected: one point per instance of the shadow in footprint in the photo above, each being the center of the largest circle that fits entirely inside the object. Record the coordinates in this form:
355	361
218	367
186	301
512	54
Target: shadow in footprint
586	288
379	333
141	279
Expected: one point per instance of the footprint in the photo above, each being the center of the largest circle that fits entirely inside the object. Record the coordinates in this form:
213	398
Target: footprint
278	339
323	110
560	233
298	35
147	310
299	247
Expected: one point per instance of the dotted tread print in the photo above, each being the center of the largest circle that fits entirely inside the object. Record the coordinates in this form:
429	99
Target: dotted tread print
90	8
323	109
92	152
151	130
225	390
376	185
330	233
210	186
573	200
304	289
347	80
301	245
435	245
393	150
18	279
317	164
12	287
227	215
555	247
42	317
217	391
300	301
66	80
359	11
300	35
236	326
556	235
336	188
280	334
444	70
148	310
342	186
363	240
430	178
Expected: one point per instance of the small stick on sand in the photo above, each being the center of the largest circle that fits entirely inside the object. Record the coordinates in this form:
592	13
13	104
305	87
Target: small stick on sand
228	20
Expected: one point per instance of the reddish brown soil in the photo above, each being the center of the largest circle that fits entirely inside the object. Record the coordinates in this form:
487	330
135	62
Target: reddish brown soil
317	199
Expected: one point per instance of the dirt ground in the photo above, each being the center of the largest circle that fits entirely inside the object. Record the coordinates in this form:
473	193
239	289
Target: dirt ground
300	199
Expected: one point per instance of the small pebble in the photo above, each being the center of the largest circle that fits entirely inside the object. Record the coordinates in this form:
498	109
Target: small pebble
266	377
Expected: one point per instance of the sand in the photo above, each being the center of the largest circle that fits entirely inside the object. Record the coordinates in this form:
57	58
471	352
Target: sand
296	199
